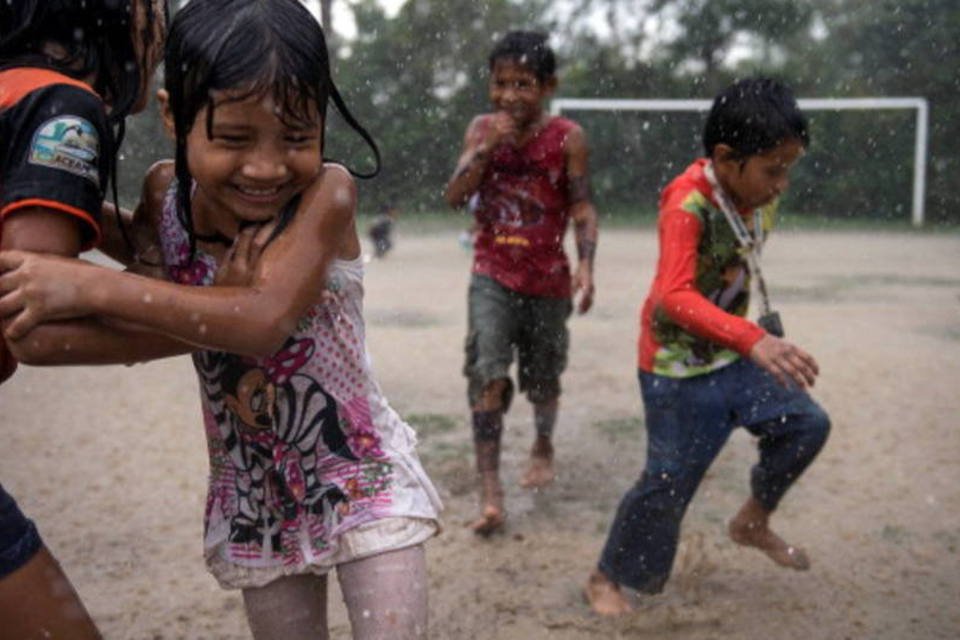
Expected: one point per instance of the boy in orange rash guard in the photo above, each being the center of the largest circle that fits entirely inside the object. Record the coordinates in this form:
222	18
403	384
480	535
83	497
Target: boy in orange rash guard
704	368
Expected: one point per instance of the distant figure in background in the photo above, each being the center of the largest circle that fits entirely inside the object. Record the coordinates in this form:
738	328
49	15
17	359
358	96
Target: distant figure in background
704	368
381	230
523	175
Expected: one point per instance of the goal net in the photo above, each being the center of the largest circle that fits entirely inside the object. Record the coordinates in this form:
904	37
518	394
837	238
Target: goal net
867	157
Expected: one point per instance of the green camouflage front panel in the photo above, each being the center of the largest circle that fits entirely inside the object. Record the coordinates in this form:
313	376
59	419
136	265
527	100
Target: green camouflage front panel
722	277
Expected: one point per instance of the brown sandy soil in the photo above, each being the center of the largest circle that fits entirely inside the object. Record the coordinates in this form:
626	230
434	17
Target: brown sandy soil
111	462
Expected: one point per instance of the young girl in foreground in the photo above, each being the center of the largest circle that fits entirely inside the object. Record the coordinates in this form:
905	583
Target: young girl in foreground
309	466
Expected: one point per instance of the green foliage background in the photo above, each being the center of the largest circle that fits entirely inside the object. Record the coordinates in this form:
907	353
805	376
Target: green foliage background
416	79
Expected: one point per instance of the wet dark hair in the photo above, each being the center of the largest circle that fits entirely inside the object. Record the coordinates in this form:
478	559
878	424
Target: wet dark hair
254	48
752	116
96	37
527	48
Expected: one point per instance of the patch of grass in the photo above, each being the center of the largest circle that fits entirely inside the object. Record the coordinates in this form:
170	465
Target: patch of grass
619	428
399	318
949	539
894	533
427	424
810	222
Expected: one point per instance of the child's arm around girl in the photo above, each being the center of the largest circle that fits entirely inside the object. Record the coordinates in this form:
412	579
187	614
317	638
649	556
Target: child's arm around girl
250	320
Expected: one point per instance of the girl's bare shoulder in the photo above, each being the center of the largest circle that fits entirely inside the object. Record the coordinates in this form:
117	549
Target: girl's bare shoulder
156	182
333	189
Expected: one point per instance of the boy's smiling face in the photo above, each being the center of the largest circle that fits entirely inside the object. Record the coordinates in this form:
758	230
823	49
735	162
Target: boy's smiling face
516	90
759	179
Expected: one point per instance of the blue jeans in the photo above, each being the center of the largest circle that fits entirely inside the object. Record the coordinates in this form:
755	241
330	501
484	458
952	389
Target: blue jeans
19	540
688	420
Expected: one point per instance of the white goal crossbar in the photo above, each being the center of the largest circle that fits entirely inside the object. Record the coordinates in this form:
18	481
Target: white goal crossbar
824	104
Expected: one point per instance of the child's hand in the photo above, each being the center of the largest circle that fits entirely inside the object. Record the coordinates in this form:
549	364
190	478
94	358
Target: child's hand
501	130
583	284
239	264
785	361
37	288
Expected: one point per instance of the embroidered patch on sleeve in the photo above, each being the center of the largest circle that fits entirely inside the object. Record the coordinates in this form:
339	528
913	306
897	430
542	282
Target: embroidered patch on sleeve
67	143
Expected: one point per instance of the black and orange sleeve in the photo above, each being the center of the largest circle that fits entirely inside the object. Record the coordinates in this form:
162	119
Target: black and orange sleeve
58	155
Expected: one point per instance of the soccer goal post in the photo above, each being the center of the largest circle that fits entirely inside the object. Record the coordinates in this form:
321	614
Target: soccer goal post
559	105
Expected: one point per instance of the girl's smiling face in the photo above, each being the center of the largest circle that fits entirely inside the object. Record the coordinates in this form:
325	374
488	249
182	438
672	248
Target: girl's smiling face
252	162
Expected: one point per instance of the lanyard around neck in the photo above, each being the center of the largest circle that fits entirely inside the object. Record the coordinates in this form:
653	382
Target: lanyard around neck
752	245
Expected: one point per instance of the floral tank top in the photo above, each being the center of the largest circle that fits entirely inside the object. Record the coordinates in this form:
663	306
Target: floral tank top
302	444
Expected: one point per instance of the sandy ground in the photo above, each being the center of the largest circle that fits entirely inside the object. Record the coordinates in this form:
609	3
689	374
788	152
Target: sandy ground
111	462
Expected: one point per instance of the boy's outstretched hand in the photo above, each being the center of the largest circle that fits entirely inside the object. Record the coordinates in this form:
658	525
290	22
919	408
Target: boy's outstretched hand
785	361
36	288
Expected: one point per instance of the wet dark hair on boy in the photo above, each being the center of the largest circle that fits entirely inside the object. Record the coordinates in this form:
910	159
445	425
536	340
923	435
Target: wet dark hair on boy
262	48
529	49
95	36
754	115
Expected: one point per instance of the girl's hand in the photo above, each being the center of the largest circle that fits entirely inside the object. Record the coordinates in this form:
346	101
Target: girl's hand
36	288
239	264
785	361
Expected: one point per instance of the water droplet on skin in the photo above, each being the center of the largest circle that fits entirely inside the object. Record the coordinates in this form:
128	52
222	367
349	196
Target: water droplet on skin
147	298
202	329
342	196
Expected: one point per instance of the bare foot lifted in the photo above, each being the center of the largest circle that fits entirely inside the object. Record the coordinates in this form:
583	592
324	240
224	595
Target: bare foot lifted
539	473
750	528
605	597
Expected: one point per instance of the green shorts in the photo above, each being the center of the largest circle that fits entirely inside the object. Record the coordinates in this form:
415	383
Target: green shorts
501	321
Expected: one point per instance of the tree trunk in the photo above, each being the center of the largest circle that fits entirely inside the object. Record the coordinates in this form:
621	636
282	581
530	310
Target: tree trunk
326	16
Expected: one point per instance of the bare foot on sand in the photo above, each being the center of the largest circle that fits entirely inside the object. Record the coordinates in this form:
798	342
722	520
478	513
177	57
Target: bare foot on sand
750	528
491	520
492	515
604	596
539	473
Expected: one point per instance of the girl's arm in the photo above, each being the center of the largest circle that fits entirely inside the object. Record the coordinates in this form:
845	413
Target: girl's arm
251	320
144	256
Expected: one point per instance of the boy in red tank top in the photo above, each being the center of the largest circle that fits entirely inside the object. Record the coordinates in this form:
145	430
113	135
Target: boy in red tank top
523	174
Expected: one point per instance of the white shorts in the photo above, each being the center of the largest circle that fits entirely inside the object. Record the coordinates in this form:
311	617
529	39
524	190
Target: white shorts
363	541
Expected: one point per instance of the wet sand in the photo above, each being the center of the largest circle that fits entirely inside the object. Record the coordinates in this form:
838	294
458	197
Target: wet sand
111	462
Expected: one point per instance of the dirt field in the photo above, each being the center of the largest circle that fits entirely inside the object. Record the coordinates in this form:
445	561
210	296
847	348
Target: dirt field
111	462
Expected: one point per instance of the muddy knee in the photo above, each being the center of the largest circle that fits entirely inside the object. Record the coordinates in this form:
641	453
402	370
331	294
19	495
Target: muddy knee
495	395
489	408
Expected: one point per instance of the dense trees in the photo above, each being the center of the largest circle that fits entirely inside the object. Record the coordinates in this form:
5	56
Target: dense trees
415	79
